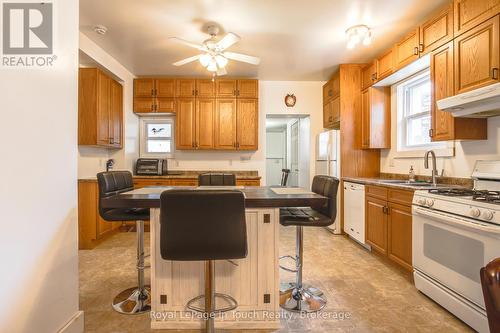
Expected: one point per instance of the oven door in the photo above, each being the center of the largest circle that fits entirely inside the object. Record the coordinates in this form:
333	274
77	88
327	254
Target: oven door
452	249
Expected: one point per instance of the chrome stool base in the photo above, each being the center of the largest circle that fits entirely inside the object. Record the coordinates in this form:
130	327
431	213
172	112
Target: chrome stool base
301	300
310	289
133	301
230	300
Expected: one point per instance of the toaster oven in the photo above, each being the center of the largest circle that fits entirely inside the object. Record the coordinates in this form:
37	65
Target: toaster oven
151	167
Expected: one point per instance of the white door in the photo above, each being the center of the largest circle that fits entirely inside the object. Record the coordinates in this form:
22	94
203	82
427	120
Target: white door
275	156
294	154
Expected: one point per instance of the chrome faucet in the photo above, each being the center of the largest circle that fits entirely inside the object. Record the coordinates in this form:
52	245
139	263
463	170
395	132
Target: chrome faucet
434	168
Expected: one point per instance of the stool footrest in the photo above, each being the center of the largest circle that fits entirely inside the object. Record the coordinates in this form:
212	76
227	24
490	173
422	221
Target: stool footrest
291	270
232	304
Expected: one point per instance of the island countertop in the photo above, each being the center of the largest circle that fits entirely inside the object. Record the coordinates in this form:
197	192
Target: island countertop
255	197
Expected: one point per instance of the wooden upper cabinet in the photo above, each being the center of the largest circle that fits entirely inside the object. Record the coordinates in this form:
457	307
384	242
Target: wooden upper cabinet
104	109
436	31
226	87
247	124
225	123
336	84
470	13
116	114
144	104
165	88
375	118
384	65
368	75
376	224
327	92
205	88
248	88
144	87
185	123
406	50
477	56
165	105
443	125
331	114
185	88
205	123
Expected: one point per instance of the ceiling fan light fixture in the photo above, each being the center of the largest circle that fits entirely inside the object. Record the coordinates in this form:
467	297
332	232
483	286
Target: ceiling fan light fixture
205	59
221	61
212	67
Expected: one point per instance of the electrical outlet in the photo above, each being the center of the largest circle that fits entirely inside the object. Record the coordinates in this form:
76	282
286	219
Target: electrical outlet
391	163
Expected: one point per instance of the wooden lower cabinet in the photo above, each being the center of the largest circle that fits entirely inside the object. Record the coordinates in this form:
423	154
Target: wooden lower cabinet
389	223
143	182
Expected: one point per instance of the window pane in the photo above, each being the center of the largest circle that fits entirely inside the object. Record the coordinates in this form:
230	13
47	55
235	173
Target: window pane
420	98
159	130
158	146
418	131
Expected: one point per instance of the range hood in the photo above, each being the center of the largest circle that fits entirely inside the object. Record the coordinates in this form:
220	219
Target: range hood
479	103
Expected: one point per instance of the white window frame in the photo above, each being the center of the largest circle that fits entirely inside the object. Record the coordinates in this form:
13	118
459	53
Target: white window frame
143	138
402	100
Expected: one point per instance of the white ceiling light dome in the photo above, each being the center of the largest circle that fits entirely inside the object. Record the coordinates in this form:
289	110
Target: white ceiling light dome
360	33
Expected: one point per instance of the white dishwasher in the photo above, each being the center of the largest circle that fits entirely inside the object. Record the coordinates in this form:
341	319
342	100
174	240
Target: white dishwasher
354	211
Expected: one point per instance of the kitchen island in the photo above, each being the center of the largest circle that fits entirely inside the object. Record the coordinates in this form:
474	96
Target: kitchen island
252	281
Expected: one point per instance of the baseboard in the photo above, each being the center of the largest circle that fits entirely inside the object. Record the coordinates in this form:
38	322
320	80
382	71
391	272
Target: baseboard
74	325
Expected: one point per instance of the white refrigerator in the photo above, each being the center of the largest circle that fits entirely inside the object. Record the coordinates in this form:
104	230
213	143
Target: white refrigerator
328	163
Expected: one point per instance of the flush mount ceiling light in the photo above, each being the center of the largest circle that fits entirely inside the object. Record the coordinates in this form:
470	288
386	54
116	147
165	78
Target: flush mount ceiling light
100	29
358	34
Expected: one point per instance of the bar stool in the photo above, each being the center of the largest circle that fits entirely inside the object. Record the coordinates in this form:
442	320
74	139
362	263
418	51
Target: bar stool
284	176
136	299
298	297
216	179
204	225
490	282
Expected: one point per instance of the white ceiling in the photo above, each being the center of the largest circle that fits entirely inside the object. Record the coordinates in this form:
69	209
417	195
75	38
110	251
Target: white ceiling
296	40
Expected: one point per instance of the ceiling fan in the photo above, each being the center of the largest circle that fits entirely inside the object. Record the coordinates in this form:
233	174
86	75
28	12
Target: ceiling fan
214	56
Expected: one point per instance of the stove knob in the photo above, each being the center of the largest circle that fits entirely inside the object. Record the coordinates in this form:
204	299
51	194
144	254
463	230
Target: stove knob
421	202
474	212
487	215
430	202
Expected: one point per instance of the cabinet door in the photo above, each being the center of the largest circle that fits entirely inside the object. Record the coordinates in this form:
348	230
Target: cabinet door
225	124
406	50
469	13
185	123
477	56
144	104
165	105
327	115
205	116
144	87
248	88
441	87
205	88
368	75
225	88
185	88
336	84
436	31
399	235
165	88
247	126
384	65
116	114
103	108
365	119
376	224
327	92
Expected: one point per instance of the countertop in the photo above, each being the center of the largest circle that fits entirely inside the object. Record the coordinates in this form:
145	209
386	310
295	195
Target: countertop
393	183
255	197
190	174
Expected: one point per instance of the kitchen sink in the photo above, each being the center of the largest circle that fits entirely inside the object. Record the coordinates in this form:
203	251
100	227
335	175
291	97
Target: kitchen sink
406	182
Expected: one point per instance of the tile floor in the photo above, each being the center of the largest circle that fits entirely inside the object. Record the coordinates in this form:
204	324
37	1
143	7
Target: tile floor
372	294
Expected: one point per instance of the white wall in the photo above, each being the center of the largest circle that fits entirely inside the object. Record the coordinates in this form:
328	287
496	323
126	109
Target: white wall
460	165
92	160
38	193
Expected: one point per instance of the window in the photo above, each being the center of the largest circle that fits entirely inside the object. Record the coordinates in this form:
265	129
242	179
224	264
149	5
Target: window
414	113
156	137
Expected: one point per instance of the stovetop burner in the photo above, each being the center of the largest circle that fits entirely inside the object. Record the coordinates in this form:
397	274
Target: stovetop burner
453	192
487	196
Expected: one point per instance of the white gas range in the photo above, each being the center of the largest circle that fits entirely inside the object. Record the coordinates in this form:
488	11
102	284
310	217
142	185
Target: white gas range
455	233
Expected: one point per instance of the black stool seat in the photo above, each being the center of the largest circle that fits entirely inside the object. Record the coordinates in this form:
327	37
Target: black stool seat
217	179
118	214
303	216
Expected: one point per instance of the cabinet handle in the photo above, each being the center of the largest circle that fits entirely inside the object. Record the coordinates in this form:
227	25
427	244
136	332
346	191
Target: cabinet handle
152	92
152	107
192	92
420	47
494	73
330	93
375	76
431	133
415	50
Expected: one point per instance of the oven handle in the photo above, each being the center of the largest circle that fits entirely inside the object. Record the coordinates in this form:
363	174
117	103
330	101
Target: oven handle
457	220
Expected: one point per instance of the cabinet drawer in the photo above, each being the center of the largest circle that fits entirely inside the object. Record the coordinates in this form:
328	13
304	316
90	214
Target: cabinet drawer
184	182
376	191
243	182
140	183
400	196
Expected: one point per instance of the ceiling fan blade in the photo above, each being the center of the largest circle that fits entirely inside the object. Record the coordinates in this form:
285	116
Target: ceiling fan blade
228	40
187	43
242	57
221	72
187	60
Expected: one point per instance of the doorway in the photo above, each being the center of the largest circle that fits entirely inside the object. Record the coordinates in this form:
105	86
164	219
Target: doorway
287	147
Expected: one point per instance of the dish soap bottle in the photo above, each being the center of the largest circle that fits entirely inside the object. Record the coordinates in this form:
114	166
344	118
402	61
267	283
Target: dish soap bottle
411	174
